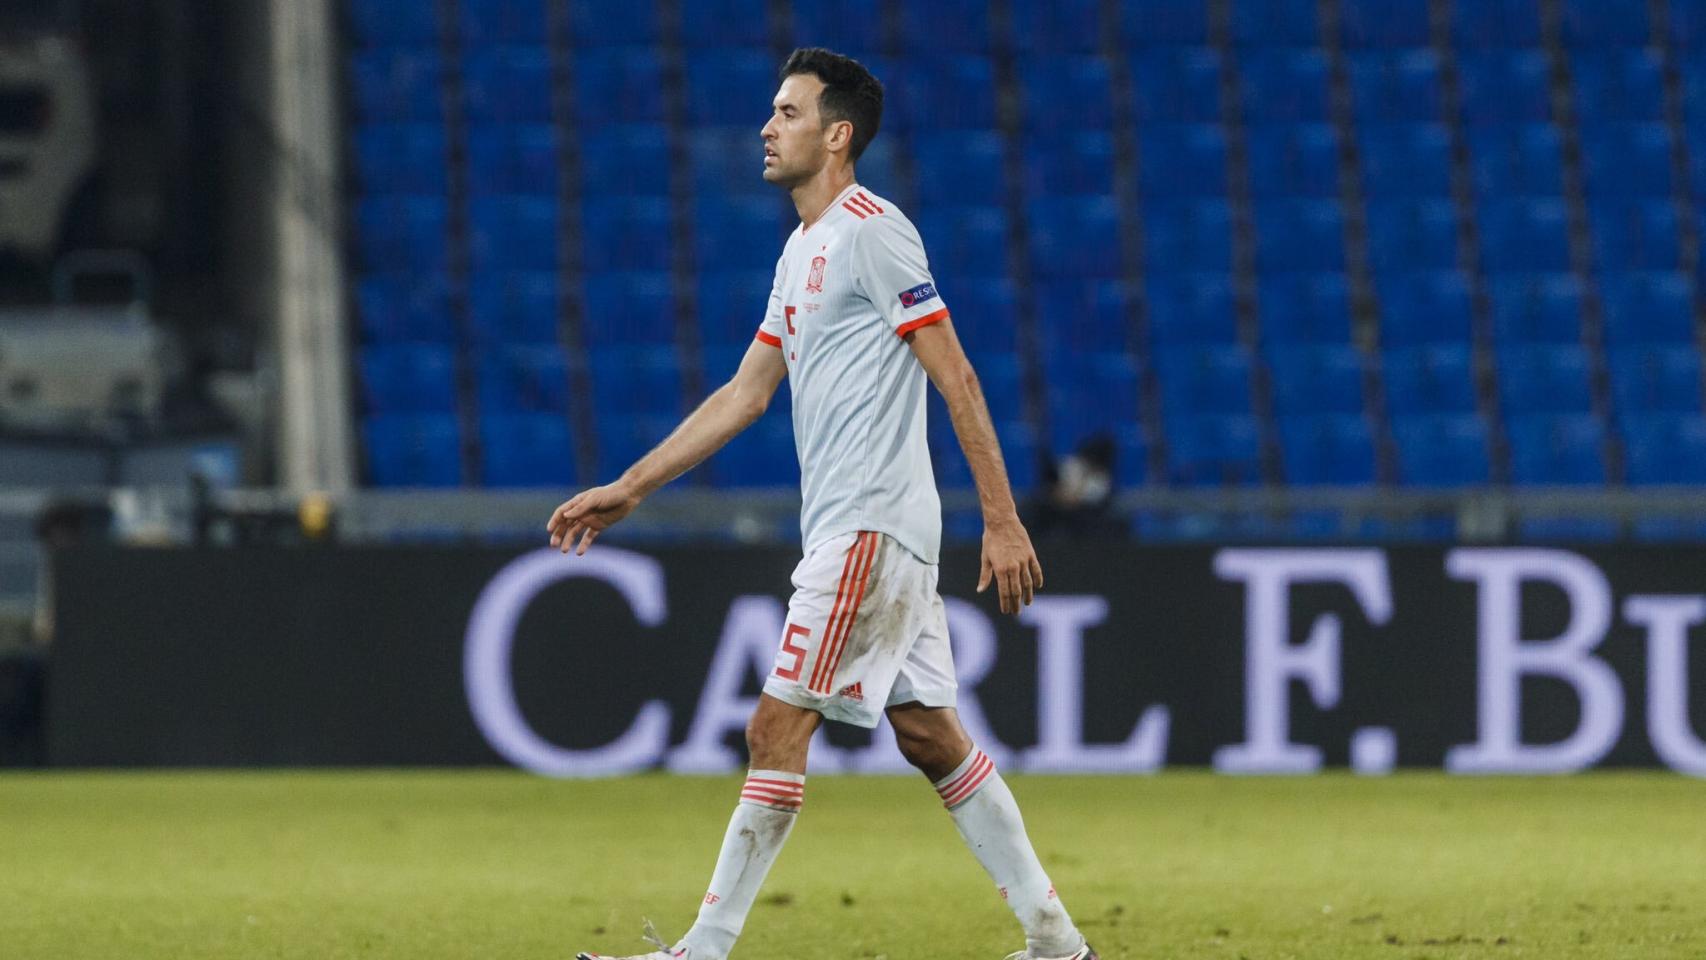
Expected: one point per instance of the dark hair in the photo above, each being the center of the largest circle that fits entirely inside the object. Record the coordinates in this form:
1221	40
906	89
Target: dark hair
850	92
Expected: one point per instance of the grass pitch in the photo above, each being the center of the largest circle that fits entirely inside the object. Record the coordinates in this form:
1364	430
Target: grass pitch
497	865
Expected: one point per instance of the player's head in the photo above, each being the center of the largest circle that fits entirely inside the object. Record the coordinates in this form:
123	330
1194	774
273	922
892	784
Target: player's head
826	111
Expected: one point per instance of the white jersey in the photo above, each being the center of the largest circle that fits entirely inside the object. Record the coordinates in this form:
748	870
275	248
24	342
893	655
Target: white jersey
847	291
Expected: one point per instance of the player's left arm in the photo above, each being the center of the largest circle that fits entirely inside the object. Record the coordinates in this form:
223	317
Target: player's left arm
1008	556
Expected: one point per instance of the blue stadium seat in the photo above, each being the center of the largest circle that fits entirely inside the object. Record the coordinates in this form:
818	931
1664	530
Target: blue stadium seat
878	169
514	307
1635	233
635	381
624	439
1214	449
1187	235
1064	94
1080	315
1002	374
726	161
1181	23
1411	234
410	450
1075	237
1597	23
1092	393
408	378
1297	308
945	25
523	379
1524	159
1300	235
1694	139
1442	450
1665	450
1424	307
843	25
507	85
1688	26
1536	308
1496	23
1060	26
1284	86
1655	379
760	456
400	158
403	306
631	160
1316	379
1647	308
1406	160
1429	379
1524	234
1554	450
392	23
946	91
1505	87
1204	379
1187	159
1627	159
1618	86
1545	379
725	23
1293	159
985	314
1385	23
1176	86
1396	86
1277	23
513	233
630	23
731	86
526	450
397	86
1330	450
962	167
1191	308
403	234
1070	165
731	305
491	22
630	233
625	85
516	159
964	242
630	309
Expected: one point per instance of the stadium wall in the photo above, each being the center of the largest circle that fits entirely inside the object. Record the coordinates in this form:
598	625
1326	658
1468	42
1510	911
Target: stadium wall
1252	660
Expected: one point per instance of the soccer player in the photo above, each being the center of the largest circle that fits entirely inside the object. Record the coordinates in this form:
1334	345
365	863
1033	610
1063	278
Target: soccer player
856	324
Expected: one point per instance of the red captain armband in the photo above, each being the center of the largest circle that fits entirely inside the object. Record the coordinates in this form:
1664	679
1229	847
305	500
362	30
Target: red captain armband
771	339
923	321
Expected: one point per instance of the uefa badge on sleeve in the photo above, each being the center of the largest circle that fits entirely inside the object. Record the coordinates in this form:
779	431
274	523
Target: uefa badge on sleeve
917	295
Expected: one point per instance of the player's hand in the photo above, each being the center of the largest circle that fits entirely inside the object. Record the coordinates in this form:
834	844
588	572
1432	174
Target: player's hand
588	514
1011	562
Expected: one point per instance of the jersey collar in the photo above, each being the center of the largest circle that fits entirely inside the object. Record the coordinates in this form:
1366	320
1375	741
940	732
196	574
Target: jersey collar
829	210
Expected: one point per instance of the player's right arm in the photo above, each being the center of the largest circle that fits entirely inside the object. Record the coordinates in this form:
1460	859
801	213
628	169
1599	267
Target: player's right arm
732	408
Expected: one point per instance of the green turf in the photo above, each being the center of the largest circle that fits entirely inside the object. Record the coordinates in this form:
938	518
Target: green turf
499	865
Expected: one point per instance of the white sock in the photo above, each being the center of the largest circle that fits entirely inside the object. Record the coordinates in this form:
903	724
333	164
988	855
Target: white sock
769	804
988	820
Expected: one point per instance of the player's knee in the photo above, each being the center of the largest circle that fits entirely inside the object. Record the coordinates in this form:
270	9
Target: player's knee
933	753
771	744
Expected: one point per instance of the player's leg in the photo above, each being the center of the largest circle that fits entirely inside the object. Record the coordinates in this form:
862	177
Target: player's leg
778	737
928	731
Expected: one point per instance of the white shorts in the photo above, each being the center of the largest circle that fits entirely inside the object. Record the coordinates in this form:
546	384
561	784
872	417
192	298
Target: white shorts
866	630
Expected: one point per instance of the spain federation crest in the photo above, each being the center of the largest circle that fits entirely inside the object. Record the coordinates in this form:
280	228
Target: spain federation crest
814	280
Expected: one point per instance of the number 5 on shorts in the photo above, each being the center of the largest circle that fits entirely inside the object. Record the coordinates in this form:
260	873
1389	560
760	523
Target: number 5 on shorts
793	672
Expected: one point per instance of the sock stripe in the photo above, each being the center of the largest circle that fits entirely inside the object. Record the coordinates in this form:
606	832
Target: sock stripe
966	768
962	788
770	800
783	784
776	789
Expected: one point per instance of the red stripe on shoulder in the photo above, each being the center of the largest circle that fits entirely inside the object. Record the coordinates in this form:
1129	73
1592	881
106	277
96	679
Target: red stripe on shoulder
771	339
848	204
923	321
867	201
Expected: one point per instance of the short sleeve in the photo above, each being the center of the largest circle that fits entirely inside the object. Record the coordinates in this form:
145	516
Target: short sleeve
770	328
891	269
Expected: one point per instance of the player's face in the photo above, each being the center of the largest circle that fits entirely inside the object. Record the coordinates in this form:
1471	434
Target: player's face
794	139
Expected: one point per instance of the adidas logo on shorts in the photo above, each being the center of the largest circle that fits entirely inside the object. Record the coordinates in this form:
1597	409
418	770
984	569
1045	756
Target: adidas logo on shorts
853	691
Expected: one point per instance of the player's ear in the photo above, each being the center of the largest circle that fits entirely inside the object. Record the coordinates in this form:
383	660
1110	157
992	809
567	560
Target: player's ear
840	135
